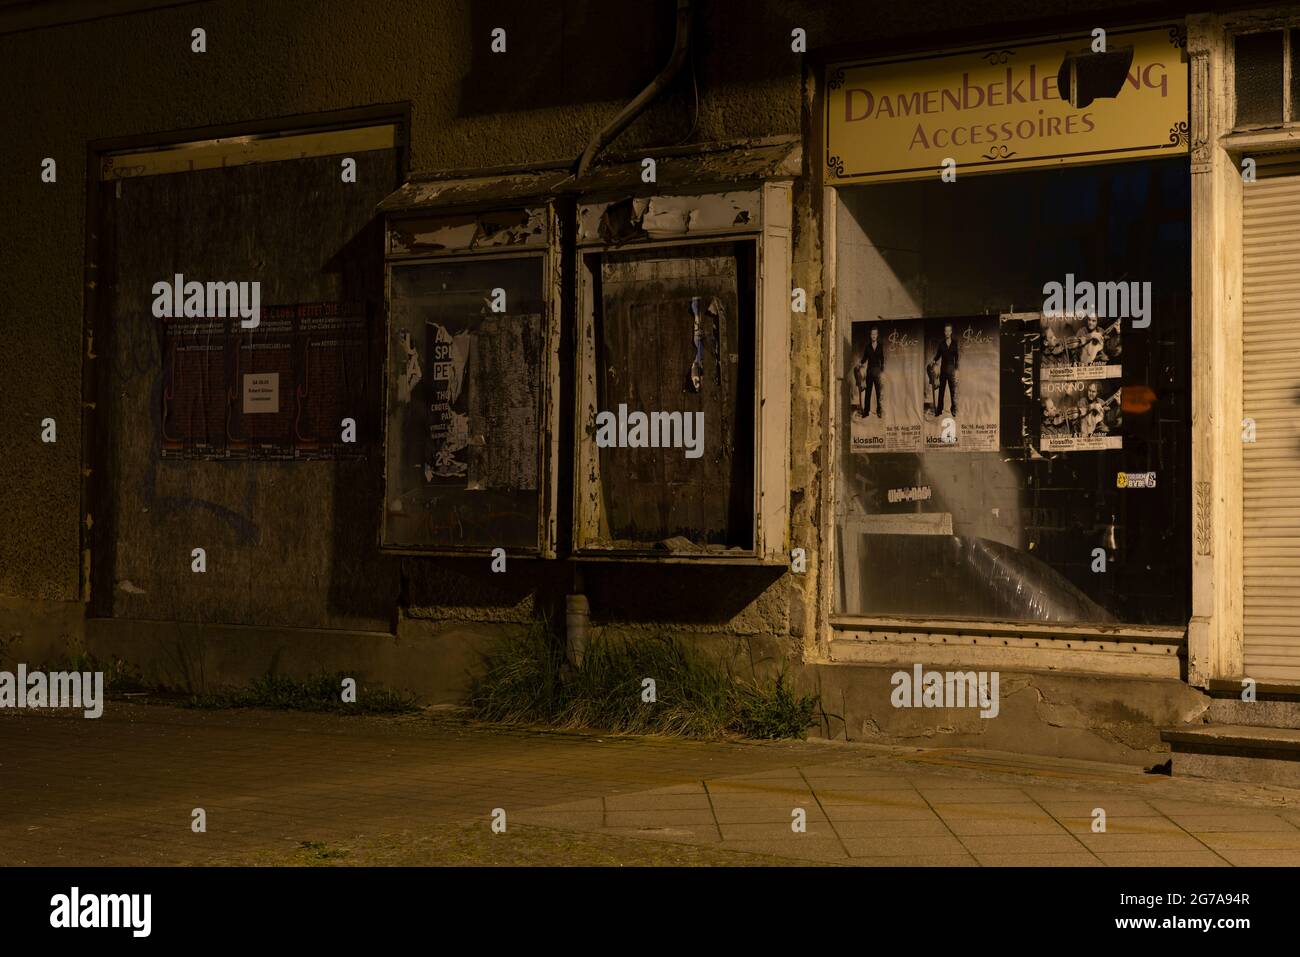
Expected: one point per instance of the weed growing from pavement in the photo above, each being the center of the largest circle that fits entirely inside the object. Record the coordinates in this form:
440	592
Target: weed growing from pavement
318	852
119	676
525	680
317	693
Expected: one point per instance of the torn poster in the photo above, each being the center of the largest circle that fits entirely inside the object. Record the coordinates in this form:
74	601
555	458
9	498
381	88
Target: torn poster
411	373
448	417
503	404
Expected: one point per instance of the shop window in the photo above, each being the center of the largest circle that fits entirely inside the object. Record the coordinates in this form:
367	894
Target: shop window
1259	67
682	380
996	462
1293	44
470	358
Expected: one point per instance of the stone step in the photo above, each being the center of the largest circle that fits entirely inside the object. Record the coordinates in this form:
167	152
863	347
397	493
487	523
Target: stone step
1262	713
1236	752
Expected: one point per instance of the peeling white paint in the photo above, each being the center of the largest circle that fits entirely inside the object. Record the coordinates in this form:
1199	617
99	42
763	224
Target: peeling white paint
666	216
412	374
521	227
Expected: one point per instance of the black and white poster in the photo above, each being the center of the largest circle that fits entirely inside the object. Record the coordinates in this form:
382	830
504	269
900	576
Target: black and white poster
887	391
448	409
961	377
1080	347
925	385
1080	415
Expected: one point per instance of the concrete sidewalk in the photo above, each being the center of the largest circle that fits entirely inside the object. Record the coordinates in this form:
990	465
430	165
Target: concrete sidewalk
294	788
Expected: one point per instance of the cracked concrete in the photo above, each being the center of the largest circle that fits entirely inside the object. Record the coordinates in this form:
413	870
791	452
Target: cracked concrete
1102	718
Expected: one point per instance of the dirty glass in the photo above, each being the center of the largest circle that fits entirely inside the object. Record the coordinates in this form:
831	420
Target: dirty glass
1259	78
993	464
1295	73
466	348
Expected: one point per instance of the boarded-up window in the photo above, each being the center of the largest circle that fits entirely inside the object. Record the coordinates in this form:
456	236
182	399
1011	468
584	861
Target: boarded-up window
464	404
675	345
205	432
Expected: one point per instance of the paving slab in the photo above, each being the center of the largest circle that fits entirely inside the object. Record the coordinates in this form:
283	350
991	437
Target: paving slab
326	790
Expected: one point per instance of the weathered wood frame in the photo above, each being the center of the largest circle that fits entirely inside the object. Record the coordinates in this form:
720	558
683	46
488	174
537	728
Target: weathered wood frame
1216	650
547	252
771	534
94	312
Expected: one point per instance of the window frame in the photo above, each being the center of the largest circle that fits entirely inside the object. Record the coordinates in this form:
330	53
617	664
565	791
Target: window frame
1123	648
1286	25
547	254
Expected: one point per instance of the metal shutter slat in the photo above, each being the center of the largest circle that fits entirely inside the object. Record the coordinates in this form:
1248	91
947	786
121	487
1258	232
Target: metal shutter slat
1271	396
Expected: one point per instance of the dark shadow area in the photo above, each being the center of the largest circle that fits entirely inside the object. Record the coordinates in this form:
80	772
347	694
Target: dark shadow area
702	594
572	51
358	485
469	583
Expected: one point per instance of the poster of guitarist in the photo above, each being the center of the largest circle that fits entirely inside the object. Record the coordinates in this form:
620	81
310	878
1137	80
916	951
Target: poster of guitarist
1080	416
1080	347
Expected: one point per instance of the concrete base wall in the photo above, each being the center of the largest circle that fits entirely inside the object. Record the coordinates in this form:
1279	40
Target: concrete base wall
37	632
1087	717
434	660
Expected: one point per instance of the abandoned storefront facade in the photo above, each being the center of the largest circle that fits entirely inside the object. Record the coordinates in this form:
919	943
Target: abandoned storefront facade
914	349
1104	499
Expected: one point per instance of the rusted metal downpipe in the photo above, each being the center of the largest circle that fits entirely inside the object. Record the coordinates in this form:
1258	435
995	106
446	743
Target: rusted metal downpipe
577	608
577	619
607	134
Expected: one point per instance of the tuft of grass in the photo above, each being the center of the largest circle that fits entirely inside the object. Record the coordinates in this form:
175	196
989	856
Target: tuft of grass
322	692
120	677
521	680
525	681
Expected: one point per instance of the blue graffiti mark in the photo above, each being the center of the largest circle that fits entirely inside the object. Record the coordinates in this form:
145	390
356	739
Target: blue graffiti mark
246	530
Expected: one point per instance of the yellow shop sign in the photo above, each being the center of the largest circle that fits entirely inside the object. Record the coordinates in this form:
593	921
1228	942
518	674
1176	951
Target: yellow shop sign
1015	106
